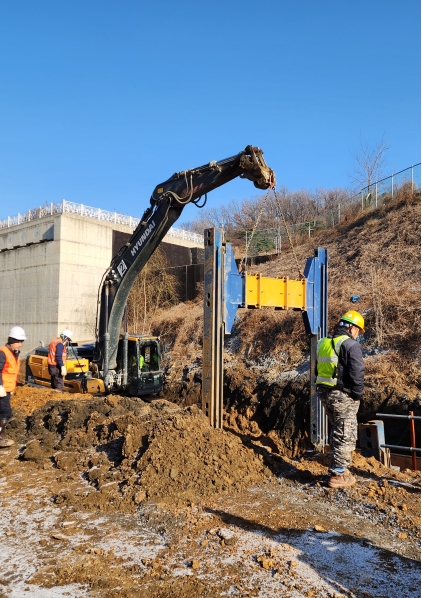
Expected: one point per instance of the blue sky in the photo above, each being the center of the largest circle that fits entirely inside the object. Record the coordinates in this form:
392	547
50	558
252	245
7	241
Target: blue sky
101	100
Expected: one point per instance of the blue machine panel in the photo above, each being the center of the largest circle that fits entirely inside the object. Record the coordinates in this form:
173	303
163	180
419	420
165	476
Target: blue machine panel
315	317
233	295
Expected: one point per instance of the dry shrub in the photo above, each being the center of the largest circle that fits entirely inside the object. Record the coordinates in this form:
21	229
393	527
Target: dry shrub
391	308
351	213
199	292
404	196
271	333
180	328
155	289
395	316
394	369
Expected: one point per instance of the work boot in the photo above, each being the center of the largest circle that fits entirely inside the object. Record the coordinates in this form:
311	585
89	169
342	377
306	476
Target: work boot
4	442
342	480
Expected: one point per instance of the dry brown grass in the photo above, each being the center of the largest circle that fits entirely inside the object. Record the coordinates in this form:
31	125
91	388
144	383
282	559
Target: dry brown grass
180	328
155	289
395	370
266	332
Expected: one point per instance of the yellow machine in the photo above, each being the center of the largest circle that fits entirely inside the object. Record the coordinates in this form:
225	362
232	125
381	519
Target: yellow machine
79	378
144	372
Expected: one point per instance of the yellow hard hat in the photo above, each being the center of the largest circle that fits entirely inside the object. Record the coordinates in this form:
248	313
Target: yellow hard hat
355	318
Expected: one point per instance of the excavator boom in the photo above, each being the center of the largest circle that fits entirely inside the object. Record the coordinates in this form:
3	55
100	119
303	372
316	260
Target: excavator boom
166	205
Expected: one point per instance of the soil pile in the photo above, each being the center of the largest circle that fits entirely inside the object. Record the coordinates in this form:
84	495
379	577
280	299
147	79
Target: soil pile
129	451
180	501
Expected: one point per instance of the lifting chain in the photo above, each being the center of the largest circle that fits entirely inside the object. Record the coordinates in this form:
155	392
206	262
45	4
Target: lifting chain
301	275
243	265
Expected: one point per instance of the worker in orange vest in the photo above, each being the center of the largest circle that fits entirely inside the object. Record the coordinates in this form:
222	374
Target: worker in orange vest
9	370
57	354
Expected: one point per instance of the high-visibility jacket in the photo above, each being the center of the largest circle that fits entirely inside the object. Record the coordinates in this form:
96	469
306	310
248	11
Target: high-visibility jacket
52	347
11	369
328	350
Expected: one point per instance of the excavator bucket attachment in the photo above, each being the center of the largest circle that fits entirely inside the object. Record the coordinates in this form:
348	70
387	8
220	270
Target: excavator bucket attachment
255	168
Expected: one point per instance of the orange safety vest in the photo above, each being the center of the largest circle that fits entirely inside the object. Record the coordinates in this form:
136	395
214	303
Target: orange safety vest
51	360
11	369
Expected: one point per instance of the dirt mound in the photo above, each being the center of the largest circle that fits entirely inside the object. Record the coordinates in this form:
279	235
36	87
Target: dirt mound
129	451
27	399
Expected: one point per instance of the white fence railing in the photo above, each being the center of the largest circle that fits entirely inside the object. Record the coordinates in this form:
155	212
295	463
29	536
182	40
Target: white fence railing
70	207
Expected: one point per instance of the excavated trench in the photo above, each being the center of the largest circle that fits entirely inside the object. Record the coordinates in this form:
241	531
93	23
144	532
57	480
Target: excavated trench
281	404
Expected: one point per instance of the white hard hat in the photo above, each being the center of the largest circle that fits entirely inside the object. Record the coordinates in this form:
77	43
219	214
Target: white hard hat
67	334
17	333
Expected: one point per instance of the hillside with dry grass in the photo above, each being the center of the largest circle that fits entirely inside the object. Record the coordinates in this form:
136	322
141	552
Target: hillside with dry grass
375	255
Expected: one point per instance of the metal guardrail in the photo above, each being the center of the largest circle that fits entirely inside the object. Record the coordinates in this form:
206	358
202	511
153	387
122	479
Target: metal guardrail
392	416
70	207
402	448
374	195
411	417
369	197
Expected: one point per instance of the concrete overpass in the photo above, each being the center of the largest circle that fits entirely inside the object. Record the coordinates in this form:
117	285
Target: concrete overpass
52	260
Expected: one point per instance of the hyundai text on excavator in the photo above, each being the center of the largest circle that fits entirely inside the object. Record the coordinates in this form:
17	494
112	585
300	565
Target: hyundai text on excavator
130	363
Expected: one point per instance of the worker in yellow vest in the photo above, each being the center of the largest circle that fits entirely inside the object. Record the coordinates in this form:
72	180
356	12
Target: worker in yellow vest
9	370
142	365
339	382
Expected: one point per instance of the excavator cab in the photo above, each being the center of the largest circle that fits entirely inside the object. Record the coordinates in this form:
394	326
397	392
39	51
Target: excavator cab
145	374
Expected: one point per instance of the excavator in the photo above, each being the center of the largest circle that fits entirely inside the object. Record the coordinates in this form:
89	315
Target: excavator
131	363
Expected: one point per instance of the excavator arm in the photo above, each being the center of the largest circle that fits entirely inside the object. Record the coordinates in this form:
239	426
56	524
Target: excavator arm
166	204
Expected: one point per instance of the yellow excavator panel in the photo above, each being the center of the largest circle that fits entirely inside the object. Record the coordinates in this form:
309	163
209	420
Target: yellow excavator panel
75	366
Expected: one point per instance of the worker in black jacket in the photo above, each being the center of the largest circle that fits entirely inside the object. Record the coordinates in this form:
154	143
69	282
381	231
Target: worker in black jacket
340	379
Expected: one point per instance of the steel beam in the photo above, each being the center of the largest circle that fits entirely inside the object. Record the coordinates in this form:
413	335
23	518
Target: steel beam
213	341
315	318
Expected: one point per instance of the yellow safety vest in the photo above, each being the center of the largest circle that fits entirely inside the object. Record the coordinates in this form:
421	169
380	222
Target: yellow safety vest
328	350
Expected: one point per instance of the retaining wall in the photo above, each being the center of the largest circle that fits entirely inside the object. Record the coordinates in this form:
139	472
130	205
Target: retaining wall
50	270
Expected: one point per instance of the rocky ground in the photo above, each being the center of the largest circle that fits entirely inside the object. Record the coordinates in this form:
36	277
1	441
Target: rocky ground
119	497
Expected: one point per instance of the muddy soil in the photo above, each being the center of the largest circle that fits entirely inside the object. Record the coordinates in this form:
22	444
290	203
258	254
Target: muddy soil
272	397
120	497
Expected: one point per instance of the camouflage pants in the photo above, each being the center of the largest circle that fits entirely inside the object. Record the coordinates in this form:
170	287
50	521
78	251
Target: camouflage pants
341	411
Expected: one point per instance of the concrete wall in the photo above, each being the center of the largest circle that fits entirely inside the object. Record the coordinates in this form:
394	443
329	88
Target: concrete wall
50	271
29	279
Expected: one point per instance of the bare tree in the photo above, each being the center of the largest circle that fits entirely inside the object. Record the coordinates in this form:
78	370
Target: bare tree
155	288
369	163
238	216
327	199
